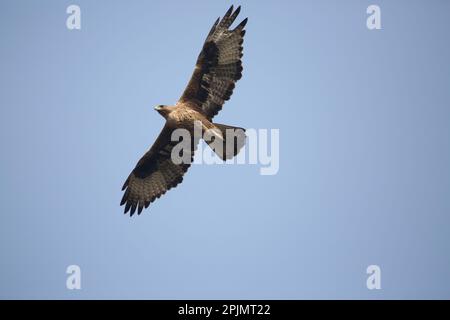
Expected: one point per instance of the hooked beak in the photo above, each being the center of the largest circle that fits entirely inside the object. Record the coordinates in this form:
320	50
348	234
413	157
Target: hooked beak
157	108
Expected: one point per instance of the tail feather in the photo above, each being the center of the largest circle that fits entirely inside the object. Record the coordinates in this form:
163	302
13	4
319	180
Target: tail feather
226	141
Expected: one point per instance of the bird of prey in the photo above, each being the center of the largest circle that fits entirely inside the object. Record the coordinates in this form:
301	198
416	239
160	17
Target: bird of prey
218	68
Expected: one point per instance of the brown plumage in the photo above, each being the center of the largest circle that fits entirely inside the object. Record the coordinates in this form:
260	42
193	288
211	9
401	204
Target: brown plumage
217	70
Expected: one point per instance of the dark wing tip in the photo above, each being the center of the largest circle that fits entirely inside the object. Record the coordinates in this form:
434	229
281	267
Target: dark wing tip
125	184
213	28
243	23
238	9
133	208
127	207
227	14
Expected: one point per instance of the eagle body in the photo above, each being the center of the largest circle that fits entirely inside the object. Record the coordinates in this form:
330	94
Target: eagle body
216	72
183	116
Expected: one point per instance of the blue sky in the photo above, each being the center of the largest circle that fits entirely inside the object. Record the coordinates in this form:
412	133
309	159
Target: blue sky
364	152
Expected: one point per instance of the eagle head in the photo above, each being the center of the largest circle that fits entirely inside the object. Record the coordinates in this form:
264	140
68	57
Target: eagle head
163	110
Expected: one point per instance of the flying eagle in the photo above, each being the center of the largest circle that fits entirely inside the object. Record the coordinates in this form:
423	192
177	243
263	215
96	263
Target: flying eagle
218	68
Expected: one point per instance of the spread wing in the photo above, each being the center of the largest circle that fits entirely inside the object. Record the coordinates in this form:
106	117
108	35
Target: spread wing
155	173
218	66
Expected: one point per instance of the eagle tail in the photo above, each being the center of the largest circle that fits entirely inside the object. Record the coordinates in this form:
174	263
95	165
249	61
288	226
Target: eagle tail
226	141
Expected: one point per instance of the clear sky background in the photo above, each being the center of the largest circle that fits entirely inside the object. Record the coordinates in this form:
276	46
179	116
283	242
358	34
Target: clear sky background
364	152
